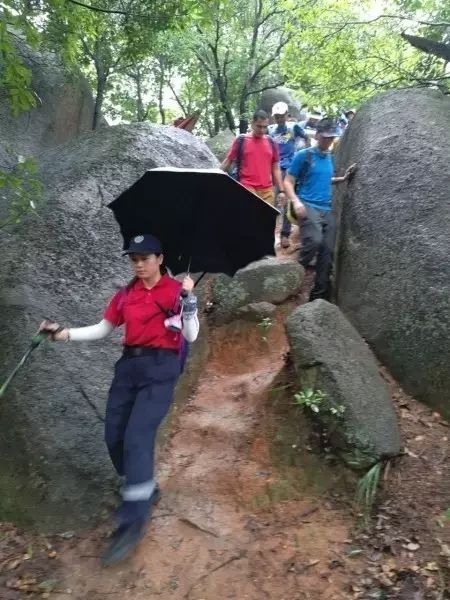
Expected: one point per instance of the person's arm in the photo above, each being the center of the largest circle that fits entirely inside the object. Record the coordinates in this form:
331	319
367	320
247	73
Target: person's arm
289	183
348	173
277	180
289	186
191	325
230	158
226	165
78	334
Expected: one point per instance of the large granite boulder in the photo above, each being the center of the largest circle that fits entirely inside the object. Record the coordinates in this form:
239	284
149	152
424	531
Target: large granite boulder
221	143
64	106
270	97
393	266
269	280
330	356
65	263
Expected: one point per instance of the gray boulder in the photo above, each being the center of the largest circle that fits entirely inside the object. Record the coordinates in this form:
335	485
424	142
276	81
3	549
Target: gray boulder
269	97
393	267
221	143
64	106
65	263
269	280
330	356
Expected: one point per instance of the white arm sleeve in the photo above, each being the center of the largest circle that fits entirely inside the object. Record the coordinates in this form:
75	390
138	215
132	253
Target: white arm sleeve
92	332
191	327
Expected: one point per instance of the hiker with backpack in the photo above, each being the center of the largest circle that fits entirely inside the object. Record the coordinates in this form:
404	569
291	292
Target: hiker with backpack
159	314
308	186
290	137
256	159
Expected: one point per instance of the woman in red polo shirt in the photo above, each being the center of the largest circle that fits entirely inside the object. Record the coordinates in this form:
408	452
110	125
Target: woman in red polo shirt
158	313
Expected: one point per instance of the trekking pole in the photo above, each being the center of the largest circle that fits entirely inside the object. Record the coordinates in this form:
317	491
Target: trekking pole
35	342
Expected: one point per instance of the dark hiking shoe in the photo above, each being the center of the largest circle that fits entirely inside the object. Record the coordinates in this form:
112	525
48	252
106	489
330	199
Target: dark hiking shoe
319	296
123	541
155	497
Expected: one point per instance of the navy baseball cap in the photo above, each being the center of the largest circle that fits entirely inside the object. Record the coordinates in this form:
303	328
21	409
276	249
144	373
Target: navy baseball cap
328	128
143	244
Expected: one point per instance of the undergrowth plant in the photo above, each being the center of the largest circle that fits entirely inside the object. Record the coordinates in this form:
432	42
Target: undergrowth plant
366	490
318	402
264	325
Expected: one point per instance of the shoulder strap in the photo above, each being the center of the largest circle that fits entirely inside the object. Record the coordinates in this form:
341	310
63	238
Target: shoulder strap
306	167
239	155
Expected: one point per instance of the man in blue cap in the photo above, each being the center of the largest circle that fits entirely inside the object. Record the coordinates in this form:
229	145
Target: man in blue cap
308	189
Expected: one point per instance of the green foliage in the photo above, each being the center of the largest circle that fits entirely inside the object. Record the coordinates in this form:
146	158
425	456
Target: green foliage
22	190
367	489
352	52
317	402
15	77
264	325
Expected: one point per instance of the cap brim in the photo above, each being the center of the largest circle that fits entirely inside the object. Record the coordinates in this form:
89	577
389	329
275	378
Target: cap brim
328	134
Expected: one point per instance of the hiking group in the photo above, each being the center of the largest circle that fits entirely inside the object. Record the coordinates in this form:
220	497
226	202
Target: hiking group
279	163
159	313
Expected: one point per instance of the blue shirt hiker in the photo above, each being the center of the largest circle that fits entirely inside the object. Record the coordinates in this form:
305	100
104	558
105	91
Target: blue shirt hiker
313	170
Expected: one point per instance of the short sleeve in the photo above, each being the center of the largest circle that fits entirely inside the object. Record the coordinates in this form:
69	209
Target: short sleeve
297	164
114	310
232	154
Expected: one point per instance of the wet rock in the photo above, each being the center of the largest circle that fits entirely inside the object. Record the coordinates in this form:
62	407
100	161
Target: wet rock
270	97
330	356
393	268
64	108
65	263
269	280
221	143
257	311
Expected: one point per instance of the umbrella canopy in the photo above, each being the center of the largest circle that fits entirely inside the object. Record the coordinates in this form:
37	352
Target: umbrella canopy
205	219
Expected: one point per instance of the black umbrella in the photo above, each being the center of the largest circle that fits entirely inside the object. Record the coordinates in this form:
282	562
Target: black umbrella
205	220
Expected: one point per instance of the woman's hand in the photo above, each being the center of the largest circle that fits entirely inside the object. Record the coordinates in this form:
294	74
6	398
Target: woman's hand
187	285
56	333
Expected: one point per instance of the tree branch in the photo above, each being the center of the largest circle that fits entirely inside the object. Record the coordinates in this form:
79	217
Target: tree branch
98	9
387	16
266	87
430	46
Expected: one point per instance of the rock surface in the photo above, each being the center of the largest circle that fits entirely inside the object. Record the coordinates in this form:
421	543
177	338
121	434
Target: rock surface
393	267
330	356
221	143
65	263
64	110
269	280
257	311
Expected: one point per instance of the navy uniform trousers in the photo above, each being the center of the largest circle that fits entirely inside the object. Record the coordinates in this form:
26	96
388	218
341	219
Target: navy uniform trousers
139	398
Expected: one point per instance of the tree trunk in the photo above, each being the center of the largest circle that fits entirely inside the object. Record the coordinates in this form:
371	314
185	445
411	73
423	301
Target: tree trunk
140	113
102	77
162	112
99	98
243	108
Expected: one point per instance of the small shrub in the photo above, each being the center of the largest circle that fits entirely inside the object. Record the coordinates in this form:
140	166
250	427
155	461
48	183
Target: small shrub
264	325
367	488
318	402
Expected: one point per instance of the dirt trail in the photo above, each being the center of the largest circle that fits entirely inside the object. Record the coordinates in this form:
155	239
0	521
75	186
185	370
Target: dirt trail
208	539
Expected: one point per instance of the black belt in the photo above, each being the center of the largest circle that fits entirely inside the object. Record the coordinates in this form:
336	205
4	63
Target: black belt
133	351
